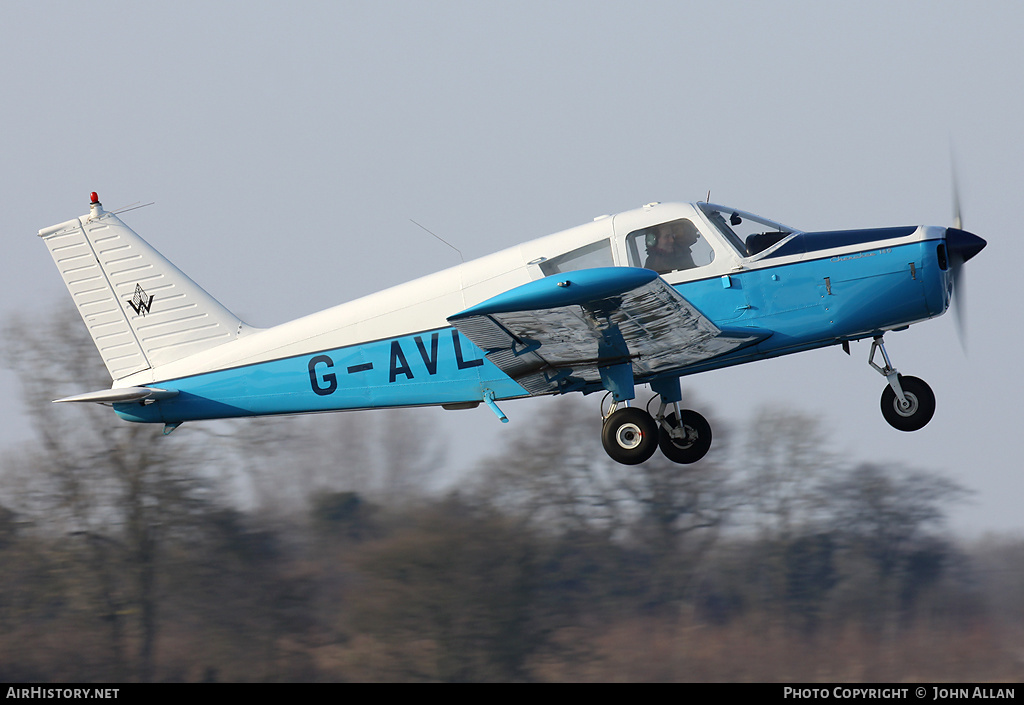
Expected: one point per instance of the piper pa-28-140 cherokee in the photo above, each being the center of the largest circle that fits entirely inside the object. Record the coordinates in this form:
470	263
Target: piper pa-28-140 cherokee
642	297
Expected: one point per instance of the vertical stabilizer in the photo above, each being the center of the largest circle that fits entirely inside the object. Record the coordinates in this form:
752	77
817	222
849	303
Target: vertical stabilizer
141	310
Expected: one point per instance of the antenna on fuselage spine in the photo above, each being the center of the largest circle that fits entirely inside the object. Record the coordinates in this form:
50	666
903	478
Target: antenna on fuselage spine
442	240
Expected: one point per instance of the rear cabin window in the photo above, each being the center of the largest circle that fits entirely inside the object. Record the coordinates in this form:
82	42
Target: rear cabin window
596	254
669	247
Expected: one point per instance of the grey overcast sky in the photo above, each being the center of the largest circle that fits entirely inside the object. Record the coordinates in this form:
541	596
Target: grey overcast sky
287	145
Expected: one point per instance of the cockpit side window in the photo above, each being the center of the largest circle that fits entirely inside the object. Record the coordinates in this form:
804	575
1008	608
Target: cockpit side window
596	254
669	247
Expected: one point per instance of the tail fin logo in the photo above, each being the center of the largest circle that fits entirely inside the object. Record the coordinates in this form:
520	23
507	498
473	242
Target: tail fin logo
139	302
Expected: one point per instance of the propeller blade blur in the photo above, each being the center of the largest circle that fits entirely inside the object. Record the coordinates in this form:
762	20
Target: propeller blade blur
961	246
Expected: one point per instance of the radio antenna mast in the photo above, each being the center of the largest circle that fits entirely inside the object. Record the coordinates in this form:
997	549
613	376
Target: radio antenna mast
442	240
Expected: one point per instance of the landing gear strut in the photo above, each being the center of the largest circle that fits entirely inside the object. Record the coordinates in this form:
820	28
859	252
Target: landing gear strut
907	403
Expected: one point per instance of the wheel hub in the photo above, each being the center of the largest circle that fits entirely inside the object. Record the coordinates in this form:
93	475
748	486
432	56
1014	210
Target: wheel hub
908	408
629	436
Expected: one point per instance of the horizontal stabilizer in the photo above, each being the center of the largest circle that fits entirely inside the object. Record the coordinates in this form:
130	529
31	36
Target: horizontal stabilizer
124	394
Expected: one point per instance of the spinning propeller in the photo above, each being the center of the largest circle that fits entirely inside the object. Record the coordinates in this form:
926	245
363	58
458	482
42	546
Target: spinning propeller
960	246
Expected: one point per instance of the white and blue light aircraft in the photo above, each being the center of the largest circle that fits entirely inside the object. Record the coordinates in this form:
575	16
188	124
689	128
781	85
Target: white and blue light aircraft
642	297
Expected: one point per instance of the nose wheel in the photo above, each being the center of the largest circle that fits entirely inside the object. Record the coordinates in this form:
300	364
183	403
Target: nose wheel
916	409
908	403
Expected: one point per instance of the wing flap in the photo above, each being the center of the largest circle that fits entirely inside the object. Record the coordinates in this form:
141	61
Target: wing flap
555	333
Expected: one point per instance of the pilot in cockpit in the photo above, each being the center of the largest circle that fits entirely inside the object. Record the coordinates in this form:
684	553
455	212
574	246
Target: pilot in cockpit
669	246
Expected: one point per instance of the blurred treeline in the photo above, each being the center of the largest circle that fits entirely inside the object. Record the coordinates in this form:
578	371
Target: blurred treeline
336	548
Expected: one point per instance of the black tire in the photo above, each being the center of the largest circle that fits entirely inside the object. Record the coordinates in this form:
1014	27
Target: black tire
696	443
630	436
919	411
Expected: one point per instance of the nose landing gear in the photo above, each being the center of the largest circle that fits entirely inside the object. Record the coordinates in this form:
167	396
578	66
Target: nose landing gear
907	403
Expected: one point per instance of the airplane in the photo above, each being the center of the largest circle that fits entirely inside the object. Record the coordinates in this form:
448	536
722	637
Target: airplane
643	297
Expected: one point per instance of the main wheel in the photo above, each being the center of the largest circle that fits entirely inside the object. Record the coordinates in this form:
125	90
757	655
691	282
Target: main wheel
694	442
630	436
919	407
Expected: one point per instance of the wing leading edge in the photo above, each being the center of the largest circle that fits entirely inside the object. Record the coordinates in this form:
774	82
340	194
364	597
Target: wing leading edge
554	334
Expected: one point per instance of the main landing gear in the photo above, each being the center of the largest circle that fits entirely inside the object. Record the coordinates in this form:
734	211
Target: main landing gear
630	435
907	403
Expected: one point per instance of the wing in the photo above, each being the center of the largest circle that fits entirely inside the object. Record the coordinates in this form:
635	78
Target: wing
553	334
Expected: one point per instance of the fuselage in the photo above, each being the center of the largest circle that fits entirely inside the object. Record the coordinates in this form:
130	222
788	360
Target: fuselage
396	347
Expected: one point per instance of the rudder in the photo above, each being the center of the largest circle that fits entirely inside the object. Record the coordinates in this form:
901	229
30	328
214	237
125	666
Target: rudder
141	311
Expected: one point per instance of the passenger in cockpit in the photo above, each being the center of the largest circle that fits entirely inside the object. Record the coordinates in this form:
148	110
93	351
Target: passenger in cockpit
668	246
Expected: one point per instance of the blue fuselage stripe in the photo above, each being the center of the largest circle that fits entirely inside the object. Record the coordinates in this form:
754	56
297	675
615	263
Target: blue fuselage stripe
431	367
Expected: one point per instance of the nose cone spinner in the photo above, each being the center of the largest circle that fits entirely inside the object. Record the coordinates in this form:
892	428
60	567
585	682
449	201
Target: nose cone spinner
963	245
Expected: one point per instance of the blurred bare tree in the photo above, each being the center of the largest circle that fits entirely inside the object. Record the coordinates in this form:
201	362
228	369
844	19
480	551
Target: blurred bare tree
556	475
784	464
391	456
790	557
116	491
892	520
457	595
